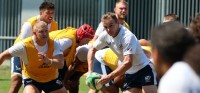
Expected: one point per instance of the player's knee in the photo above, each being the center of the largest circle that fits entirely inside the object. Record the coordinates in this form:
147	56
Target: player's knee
16	78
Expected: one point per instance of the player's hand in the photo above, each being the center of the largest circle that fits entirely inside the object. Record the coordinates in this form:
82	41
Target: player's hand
104	79
43	58
88	74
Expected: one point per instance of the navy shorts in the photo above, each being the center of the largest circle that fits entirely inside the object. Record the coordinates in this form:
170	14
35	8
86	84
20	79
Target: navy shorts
16	65
75	76
46	87
102	69
62	71
144	77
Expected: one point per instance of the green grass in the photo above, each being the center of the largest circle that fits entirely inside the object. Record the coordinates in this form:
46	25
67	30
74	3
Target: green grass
5	81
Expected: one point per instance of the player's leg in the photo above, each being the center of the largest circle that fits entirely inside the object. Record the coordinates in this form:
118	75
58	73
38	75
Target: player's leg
54	86
30	86
16	77
30	89
150	80
143	80
75	81
132	83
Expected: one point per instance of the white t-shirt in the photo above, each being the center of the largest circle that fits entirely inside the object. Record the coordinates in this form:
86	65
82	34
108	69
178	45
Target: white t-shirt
123	44
180	78
65	43
82	51
26	30
20	51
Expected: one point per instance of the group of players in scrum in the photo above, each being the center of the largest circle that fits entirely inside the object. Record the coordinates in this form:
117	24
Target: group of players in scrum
113	52
26	48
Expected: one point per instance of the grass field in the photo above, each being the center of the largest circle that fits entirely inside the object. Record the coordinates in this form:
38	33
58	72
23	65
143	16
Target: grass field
5	80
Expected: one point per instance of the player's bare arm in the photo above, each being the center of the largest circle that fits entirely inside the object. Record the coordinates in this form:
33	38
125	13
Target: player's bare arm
4	55
90	58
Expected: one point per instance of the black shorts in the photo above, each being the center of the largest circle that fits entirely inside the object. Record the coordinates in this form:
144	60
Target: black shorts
62	71
144	77
46	87
102	69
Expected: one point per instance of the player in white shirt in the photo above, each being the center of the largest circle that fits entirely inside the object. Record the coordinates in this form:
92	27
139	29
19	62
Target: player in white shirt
138	69
170	42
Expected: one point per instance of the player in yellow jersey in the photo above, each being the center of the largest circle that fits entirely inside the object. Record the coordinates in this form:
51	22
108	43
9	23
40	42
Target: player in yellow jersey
41	58
69	39
46	14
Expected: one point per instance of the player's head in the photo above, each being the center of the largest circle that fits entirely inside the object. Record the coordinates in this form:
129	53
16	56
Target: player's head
121	9
47	10
194	27
40	31
110	23
170	17
193	59
84	34
170	42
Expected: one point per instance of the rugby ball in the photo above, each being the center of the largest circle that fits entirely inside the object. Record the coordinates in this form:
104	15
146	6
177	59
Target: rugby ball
91	81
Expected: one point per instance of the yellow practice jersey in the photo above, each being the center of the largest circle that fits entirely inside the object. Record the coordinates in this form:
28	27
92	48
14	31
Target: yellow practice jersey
110	59
34	69
126	25
70	33
32	21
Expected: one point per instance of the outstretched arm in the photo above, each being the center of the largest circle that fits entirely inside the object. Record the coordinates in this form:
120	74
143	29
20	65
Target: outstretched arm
4	55
90	59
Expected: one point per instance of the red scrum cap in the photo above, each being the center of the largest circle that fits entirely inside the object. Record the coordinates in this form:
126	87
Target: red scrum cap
85	31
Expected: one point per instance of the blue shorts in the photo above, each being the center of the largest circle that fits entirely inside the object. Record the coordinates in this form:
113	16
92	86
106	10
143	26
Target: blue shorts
16	65
46	87
144	77
102	69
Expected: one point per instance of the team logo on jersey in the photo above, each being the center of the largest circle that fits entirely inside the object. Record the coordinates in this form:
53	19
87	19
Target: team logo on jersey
129	49
109	43
147	78
44	65
120	46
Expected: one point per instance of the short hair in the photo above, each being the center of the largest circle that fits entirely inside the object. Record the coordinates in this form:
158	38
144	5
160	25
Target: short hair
171	40
38	25
109	15
47	5
193	59
121	1
194	27
171	17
